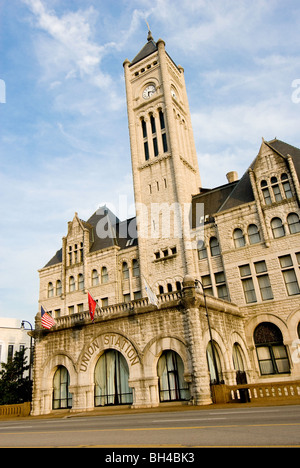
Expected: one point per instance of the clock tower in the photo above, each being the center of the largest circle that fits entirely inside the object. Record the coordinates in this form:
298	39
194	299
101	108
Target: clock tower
164	164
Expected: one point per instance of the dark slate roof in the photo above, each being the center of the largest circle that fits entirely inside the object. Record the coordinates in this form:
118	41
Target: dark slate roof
55	260
238	193
284	149
212	200
106	230
148	49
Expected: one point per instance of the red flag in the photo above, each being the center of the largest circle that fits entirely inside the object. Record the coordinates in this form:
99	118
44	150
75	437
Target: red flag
92	306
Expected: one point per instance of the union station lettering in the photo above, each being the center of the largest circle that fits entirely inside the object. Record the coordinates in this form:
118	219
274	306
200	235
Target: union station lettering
107	341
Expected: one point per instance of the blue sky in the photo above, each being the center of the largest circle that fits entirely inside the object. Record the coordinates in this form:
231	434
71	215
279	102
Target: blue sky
64	144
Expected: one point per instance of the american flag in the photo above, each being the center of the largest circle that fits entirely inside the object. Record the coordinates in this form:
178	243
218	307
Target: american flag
47	321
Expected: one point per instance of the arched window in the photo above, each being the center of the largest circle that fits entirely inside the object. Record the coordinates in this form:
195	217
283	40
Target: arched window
135	268
237	357
125	270
286	186
104	275
95	278
214	246
50	290
276	189
202	252
271	352
161	289
293	223
170	371
266	192
62	398
211	365
71	284
253	234
169	287
277	228
58	288
111	380
238	238
80	282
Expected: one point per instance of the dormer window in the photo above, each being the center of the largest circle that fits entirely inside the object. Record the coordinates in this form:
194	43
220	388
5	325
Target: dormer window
286	186
266	192
276	189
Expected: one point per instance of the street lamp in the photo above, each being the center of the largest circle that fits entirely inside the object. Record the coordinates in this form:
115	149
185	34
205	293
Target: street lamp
210	335
30	353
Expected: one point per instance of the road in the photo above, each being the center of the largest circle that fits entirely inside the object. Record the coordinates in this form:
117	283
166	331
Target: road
234	427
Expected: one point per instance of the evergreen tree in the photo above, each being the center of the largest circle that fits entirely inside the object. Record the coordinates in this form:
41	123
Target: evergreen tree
14	387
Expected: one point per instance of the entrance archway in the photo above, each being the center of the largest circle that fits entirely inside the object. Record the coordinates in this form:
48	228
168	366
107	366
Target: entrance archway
170	370
111	380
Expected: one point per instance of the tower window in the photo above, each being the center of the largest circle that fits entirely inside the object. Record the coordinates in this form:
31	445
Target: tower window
163	131
153	126
162	120
145	136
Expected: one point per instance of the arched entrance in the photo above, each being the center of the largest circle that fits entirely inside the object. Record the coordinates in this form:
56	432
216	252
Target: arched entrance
111	380
170	370
62	398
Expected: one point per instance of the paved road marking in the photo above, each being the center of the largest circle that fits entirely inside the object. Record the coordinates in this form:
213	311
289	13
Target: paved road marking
184	420
137	429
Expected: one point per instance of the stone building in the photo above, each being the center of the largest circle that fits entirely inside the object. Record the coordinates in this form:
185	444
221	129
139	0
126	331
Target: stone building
224	264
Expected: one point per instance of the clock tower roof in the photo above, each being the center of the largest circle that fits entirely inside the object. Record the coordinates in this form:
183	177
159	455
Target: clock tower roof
148	49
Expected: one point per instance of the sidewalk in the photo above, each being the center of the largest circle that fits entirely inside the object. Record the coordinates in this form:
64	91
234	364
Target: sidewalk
163	408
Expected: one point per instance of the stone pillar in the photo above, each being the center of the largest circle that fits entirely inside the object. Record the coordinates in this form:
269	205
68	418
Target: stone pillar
200	386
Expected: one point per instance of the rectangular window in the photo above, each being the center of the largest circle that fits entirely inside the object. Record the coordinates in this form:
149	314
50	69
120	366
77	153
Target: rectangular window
155	146
104	302
165	143
57	313
207	285
267	196
71	310
263	281
221	285
10	352
287	190
248	285
146	150
289	275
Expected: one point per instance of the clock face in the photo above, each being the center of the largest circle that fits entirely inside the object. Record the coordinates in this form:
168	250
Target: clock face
149	91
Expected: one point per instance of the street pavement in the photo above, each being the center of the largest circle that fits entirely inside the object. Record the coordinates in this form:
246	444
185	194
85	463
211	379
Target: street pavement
184	430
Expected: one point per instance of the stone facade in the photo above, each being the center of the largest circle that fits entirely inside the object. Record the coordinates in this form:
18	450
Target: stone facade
223	262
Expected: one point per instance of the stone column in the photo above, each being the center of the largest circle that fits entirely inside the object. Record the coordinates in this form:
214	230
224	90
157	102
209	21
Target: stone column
200	386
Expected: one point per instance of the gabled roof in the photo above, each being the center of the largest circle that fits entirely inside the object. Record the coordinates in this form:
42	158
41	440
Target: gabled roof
240	192
285	150
148	49
106	230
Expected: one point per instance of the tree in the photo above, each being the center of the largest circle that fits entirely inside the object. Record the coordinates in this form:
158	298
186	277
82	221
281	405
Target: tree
14	387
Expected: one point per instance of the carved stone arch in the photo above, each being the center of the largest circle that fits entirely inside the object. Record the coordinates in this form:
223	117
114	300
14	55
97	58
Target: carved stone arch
60	358
235	337
155	348
293	321
251	325
109	340
221	347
